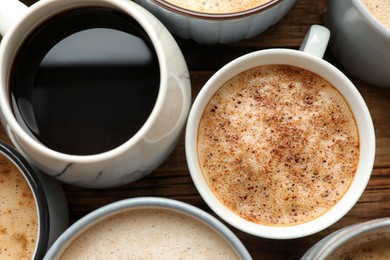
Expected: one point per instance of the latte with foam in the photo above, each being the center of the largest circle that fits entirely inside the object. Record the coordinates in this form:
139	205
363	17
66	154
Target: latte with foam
278	145
149	234
373	246
218	6
18	214
379	9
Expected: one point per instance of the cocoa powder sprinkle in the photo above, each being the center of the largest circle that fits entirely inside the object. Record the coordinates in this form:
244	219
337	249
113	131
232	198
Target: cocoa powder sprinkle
286	130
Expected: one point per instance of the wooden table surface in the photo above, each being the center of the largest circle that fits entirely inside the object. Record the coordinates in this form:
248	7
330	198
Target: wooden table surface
172	178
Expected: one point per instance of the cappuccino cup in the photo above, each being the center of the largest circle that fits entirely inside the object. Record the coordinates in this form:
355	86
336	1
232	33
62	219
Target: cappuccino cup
33	209
367	240
361	38
210	22
93	93
279	143
148	228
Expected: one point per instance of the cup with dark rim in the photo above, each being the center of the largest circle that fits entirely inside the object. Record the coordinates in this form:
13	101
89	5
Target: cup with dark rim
50	213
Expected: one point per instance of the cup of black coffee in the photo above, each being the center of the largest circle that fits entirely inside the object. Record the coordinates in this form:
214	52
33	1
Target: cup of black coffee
94	93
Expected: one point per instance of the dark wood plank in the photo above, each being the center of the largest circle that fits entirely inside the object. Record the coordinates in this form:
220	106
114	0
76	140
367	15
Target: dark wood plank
172	179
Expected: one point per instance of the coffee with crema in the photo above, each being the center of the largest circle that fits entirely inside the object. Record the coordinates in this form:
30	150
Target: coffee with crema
218	6
18	214
380	9
278	145
149	234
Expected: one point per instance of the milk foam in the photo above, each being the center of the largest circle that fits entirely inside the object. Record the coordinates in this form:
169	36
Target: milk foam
18	214
373	246
380	9
218	6
278	145
149	234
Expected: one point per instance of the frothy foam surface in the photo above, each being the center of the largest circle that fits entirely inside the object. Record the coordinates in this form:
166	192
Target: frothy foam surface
18	214
149	234
380	9
218	6
278	145
373	246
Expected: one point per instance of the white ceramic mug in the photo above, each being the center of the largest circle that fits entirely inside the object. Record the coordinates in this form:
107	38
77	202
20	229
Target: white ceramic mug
154	233
142	153
310	58
359	41
217	28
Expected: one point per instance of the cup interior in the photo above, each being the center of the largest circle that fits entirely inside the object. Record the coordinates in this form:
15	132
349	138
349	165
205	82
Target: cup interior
343	240
13	157
149	203
215	16
38	14
351	95
373	22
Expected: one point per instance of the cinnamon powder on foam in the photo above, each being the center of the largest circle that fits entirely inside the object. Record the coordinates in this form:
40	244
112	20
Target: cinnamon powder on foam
278	145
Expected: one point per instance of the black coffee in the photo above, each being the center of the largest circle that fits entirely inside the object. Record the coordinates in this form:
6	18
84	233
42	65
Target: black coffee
85	81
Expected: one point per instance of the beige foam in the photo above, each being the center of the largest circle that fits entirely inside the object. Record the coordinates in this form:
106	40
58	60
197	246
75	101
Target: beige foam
149	234
278	145
18	214
380	9
373	246
218	6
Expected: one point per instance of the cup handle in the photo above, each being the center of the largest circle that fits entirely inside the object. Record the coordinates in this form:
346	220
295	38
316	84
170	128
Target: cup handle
316	41
11	12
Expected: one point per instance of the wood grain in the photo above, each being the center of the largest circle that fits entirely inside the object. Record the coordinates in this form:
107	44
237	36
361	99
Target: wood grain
172	179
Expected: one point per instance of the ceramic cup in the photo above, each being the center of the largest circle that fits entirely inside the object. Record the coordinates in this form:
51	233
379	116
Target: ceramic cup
367	240
309	58
152	216
211	28
359	41
36	206
147	148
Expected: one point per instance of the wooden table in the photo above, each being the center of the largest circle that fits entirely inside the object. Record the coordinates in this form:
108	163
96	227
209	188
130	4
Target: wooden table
172	179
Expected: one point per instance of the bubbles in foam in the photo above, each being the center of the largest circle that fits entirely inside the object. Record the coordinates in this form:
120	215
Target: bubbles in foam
278	145
149	234
18	214
218	6
371	246
380	9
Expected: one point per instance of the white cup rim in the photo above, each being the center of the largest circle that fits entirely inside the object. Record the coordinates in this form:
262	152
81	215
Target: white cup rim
358	106
146	202
325	247
39	8
371	20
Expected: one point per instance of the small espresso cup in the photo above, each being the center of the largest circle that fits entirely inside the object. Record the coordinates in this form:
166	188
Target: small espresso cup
367	240
148	228
33	208
268	159
360	41
79	75
209	22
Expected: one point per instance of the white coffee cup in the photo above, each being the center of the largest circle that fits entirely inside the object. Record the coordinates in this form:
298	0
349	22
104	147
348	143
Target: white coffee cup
217	28
359	41
352	237
310	58
98	217
142	153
